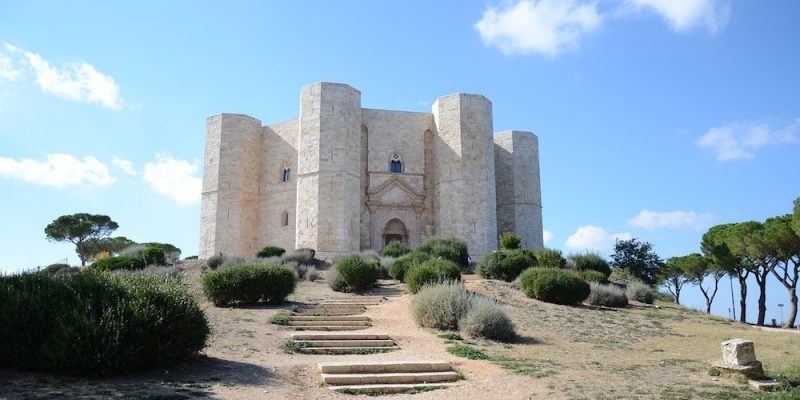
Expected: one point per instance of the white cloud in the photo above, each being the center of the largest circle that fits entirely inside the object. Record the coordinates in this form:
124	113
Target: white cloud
124	165
174	178
548	27
60	170
76	81
590	237
546	236
7	70
671	219
740	140
687	15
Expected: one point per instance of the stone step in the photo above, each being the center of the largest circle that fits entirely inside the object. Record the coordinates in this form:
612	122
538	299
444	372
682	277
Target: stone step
389	389
383	366
330	313
339	336
323	322
329	318
333	305
389	378
348	343
347	350
329	328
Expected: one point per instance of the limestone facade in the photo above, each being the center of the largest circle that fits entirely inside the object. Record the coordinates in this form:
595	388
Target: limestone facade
342	178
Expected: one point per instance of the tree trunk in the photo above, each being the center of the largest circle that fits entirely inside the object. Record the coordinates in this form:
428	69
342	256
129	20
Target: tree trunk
743	298
677	296
762	297
792	309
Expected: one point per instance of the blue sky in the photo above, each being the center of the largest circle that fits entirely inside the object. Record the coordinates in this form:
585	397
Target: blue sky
656	119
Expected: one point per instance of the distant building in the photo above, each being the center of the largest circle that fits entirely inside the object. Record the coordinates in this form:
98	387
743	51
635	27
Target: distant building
341	178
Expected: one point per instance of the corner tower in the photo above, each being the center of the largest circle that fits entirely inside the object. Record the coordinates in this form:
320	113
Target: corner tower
229	206
328	169
519	194
464	182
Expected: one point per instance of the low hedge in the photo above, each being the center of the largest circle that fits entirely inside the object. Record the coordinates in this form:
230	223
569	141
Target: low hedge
115	263
450	248
154	256
92	323
435	270
553	286
402	264
606	295
395	249
591	262
270	251
357	271
249	283
506	264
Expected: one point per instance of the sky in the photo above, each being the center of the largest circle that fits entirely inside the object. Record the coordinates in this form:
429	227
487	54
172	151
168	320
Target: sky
656	118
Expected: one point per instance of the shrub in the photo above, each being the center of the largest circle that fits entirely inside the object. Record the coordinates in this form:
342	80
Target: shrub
453	249
553	286
215	262
115	263
281	318
91	323
58	269
249	283
312	274
440	306
270	251
640	291
154	256
606	295
550	258
395	249
592	276
307	250
301	257
433	271
471	353
591	262
358	272
665	297
370	254
336	281
622	276
191	258
509	241
485	318
402	264
386	266
506	264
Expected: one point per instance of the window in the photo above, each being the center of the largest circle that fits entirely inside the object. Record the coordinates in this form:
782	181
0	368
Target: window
284	218
286	174
395	165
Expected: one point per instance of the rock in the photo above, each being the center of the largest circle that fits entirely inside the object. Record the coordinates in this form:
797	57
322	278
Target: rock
738	352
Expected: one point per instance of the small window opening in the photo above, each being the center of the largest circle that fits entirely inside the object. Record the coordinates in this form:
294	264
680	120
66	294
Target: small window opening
287	174
285	219
395	165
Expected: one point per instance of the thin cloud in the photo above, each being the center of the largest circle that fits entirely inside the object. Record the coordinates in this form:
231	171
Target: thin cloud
687	15
590	237
59	170
125	166
80	81
671	219
741	140
177	179
7	70
547	27
547	236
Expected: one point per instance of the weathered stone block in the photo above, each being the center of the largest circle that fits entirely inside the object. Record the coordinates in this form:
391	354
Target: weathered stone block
738	352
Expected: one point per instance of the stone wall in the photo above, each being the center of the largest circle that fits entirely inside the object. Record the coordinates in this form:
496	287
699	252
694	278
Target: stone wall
229	218
278	198
465	187
519	198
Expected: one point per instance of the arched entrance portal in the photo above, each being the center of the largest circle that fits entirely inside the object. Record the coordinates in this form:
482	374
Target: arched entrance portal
395	231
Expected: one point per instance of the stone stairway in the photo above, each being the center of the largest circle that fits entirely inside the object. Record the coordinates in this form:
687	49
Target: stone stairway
343	343
385	377
329	322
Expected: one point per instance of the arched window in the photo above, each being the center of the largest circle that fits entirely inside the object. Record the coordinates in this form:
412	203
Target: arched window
395	164
286	172
284	218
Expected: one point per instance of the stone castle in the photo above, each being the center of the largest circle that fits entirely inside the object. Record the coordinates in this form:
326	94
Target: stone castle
341	178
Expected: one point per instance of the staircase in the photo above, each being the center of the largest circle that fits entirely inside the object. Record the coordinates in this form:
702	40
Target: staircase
343	343
385	377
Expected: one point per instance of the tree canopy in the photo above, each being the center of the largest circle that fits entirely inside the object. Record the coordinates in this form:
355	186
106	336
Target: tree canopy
81	229
638	259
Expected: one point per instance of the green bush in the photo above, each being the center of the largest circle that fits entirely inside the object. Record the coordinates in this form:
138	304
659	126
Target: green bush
550	258
92	323
485	318
215	262
453	249
509	241
553	286
665	297
606	295
395	249
506	264
270	251
301	257
440	306
435	270
358	272
336	281
640	291
386	266
154	256
590	276
402	264
249	283
307	250
191	258
115	263
58	269
591	262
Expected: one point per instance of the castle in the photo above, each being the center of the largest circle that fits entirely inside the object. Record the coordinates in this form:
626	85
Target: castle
341	178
